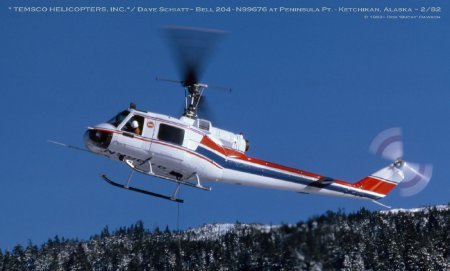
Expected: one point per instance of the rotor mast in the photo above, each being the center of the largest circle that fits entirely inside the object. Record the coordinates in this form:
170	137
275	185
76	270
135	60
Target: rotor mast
194	93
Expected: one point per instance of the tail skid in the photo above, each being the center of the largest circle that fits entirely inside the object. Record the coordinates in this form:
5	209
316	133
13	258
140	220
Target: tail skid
381	204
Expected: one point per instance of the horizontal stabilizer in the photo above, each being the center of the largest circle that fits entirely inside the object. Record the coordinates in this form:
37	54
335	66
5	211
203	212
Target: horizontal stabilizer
322	182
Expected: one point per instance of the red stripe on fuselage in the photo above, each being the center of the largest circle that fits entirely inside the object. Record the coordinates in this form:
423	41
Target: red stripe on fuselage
374	185
239	155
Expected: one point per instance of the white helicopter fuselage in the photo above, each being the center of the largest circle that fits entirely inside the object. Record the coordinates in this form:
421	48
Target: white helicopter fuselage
192	150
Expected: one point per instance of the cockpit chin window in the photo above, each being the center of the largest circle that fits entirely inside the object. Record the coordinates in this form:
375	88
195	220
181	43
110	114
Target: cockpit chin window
117	120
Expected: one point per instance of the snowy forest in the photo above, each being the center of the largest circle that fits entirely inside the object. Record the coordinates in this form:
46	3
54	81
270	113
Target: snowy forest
417	239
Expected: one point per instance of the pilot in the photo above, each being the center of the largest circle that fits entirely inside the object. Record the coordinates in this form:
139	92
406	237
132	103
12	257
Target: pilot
135	127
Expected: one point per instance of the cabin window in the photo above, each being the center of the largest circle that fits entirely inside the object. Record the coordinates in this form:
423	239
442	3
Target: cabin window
171	134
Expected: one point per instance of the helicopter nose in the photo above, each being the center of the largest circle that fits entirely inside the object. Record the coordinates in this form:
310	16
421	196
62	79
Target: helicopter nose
96	138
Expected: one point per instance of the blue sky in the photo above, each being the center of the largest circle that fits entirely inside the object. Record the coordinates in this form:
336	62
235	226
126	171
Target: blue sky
309	91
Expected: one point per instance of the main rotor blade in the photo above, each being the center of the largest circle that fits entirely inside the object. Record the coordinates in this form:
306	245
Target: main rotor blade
192	48
388	144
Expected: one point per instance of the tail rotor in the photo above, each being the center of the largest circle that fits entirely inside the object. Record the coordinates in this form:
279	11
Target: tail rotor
417	177
389	145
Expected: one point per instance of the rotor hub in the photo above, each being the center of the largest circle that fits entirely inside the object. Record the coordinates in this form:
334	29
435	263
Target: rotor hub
398	163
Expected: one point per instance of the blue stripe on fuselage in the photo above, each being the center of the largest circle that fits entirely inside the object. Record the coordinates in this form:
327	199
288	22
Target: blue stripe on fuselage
243	167
234	165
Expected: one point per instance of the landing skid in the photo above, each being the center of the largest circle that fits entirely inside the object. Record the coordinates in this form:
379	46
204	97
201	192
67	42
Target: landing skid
127	187
178	181
184	181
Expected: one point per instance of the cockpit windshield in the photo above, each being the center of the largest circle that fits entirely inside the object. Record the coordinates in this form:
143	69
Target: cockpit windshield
119	118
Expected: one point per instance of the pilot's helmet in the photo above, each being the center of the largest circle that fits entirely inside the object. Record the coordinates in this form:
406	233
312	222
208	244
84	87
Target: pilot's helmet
134	124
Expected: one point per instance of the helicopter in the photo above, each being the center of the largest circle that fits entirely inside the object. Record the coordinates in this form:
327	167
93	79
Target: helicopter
191	151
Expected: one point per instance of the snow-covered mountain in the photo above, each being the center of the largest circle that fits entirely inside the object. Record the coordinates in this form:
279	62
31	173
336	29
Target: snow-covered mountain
216	230
399	239
416	210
